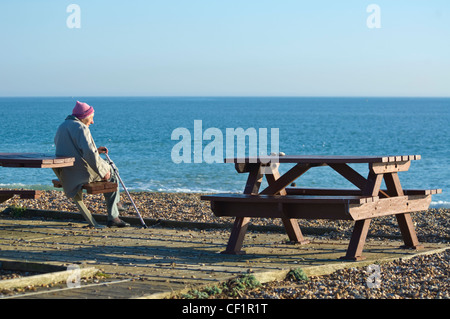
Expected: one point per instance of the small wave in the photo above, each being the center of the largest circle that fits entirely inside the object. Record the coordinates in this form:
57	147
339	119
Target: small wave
13	185
27	186
184	190
440	204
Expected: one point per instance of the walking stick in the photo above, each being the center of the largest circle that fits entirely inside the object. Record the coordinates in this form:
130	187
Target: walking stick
126	191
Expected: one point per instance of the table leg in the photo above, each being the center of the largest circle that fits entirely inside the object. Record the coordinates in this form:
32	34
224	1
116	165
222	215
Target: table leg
237	236
373	184
369	187
272	175
254	180
408	231
293	231
357	241
277	185
241	223
4	197
404	220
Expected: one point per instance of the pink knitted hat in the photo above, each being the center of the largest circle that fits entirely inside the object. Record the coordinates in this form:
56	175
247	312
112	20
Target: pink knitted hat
82	110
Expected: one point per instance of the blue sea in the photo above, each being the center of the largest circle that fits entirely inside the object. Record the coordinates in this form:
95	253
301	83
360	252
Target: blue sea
138	133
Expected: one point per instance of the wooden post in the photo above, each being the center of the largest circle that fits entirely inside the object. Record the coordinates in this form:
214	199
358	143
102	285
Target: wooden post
254	179
357	241
293	231
241	223
373	184
5	197
237	236
404	220
277	185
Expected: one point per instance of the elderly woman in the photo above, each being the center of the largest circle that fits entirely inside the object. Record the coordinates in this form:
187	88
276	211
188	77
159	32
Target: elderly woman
73	139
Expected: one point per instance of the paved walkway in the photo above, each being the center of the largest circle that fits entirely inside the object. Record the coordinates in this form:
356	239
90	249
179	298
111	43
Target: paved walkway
155	262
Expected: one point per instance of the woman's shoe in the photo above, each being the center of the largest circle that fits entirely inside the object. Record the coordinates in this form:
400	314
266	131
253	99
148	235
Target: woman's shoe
117	222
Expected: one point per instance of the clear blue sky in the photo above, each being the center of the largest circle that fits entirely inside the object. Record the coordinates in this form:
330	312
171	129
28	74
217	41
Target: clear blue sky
225	47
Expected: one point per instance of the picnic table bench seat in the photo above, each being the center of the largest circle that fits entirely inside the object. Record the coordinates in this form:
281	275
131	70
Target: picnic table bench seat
34	160
6	194
329	204
93	188
335	207
358	192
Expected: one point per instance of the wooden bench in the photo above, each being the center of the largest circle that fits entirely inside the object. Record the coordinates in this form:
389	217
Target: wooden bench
6	194
34	160
24	194
329	204
357	192
91	188
290	206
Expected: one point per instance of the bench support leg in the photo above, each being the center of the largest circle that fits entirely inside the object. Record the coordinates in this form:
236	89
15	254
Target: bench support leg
237	236
294	232
405	222
240	225
78	200
356	245
406	226
4	198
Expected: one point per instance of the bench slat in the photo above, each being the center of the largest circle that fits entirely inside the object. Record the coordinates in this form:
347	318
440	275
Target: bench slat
309	159
270	206
338	192
94	187
307	199
314	207
34	160
24	194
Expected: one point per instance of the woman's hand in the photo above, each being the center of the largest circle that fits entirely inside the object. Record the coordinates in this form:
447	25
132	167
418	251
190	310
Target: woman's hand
102	150
107	176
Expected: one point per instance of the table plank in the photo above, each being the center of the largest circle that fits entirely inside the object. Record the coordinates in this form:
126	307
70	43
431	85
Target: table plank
38	160
311	199
337	159
314	159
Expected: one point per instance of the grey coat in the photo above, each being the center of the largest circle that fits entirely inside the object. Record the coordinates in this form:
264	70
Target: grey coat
74	139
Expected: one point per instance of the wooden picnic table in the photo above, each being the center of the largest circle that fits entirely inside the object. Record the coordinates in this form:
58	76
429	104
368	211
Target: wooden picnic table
41	160
34	160
361	204
30	160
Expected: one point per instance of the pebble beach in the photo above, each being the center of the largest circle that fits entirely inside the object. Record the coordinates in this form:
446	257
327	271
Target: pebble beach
422	277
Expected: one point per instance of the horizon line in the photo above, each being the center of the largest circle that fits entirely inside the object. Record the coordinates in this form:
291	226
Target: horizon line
224	96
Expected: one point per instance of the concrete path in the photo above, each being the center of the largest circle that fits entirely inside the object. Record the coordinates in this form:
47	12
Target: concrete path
156	262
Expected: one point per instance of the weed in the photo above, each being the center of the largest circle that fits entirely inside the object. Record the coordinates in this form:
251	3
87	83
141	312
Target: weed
16	211
297	274
195	294
235	286
232	288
